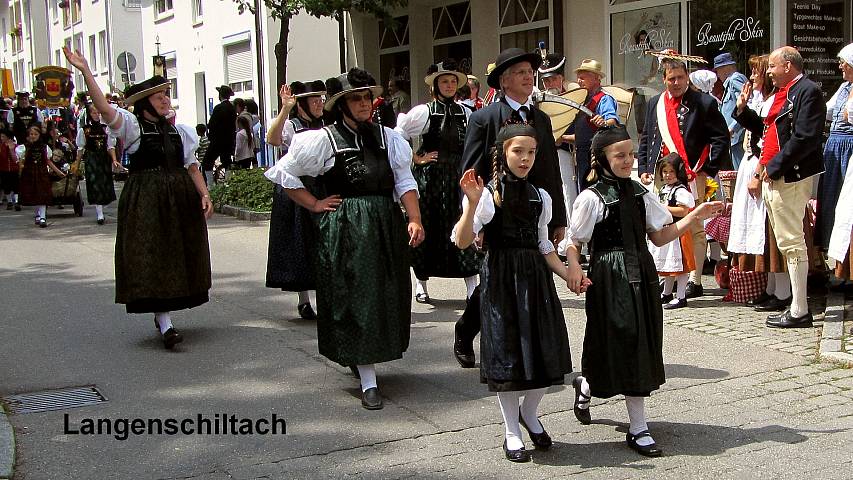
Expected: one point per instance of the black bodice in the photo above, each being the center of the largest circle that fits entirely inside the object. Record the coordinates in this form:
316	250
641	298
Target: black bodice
446	133
669	199
22	120
516	221
96	137
359	170
607	234
152	152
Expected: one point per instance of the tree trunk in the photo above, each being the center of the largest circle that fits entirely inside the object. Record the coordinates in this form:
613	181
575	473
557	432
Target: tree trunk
281	56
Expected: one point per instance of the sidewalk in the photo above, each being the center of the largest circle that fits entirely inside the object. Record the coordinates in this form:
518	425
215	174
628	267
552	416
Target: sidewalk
741	401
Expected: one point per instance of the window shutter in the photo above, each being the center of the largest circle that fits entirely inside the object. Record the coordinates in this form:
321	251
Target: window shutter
238	62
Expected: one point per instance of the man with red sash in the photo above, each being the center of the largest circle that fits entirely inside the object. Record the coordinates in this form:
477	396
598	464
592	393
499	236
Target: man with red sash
690	123
589	75
791	159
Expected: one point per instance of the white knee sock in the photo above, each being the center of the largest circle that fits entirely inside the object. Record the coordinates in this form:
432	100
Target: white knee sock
529	407
771	283
668	283
368	376
164	320
681	289
421	287
585	391
508	402
798	268
782	285
303	297
42	211
470	284
637	417
99	211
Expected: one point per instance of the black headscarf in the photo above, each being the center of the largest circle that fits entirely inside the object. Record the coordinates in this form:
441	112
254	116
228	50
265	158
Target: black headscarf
511	190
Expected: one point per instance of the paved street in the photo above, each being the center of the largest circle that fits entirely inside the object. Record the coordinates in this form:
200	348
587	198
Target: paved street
741	401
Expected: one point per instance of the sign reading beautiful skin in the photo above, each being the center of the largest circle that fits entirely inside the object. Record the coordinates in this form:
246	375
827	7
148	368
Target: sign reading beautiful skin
743	29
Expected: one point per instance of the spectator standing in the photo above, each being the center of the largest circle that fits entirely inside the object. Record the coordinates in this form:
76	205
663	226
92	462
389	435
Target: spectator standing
733	81
222	131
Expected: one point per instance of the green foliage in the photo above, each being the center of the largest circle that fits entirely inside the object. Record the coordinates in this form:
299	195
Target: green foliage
245	189
323	8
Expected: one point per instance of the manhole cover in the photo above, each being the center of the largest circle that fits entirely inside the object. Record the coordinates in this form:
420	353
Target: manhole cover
58	399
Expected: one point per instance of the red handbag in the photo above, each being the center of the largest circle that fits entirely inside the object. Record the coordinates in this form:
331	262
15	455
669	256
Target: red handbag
744	286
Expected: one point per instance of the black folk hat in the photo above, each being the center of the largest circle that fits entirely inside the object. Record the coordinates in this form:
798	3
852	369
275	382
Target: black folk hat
353	81
508	58
145	89
554	64
225	91
311	89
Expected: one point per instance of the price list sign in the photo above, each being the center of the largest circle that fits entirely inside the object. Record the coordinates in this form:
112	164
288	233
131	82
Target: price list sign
818	29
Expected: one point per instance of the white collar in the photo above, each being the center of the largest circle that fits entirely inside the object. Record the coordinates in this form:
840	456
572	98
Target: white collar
515	105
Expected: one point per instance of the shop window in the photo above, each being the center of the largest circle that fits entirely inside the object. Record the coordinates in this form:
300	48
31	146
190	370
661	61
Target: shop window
394	53
635	31
739	27
819	29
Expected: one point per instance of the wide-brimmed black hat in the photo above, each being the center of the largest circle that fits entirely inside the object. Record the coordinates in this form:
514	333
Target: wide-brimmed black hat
508	58
22	94
225	91
311	89
146	89
354	80
554	64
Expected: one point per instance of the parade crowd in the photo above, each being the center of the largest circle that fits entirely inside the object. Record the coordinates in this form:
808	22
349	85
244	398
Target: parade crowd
485	190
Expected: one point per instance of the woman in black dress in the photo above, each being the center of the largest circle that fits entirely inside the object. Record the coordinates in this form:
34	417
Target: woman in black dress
97	148
162	256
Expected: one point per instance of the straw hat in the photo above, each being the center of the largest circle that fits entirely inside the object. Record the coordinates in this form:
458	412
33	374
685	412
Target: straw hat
146	89
590	65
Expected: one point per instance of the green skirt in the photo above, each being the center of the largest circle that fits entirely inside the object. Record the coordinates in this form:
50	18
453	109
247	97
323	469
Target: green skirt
363	284
99	178
162	257
441	207
623	344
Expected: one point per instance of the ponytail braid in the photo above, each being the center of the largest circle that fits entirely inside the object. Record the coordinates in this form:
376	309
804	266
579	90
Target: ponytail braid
497	171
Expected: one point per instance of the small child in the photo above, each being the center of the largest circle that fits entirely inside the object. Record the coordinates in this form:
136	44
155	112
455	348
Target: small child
623	342
201	151
674	261
9	170
35	183
524	345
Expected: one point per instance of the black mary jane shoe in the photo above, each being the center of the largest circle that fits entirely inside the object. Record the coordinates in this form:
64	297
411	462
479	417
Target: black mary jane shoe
763	298
172	338
42	223
100	221
694	290
306	312
422	298
463	352
651	450
371	399
582	414
519	456
542	441
681	303
666	298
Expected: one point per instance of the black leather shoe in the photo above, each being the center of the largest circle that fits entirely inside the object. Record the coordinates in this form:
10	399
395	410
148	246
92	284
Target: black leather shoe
172	338
709	266
100	221
582	414
422	298
681	303
371	400
42	223
694	290
542	440
520	456
651	450
774	305
666	298
786	320
306	312
463	351
763	298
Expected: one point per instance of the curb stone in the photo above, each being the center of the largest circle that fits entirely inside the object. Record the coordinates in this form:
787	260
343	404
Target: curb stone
832	335
7	446
242	213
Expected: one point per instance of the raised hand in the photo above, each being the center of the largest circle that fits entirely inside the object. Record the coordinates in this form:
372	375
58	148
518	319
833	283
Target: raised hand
745	94
76	59
287	99
472	186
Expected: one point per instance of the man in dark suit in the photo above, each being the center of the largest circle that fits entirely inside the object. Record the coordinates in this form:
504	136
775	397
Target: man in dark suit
689	123
514	76
221	131
791	157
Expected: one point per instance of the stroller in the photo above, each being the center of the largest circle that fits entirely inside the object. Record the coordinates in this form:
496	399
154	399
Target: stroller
66	190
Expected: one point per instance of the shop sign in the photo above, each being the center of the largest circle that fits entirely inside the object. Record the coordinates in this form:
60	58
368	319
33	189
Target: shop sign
656	39
741	29
817	28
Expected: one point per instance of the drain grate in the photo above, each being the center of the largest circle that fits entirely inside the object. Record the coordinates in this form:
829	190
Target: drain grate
58	399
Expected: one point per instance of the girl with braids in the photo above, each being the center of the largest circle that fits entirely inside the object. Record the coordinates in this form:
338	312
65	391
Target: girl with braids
623	344
244	150
441	126
524	347
162	254
35	161
97	147
362	270
293	229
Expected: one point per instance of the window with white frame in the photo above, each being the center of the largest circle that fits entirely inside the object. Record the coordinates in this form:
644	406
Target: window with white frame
451	34
524	23
238	66
93	54
198	11
76	11
163	8
58	56
172	75
5	44
102	44
54	10
394	51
